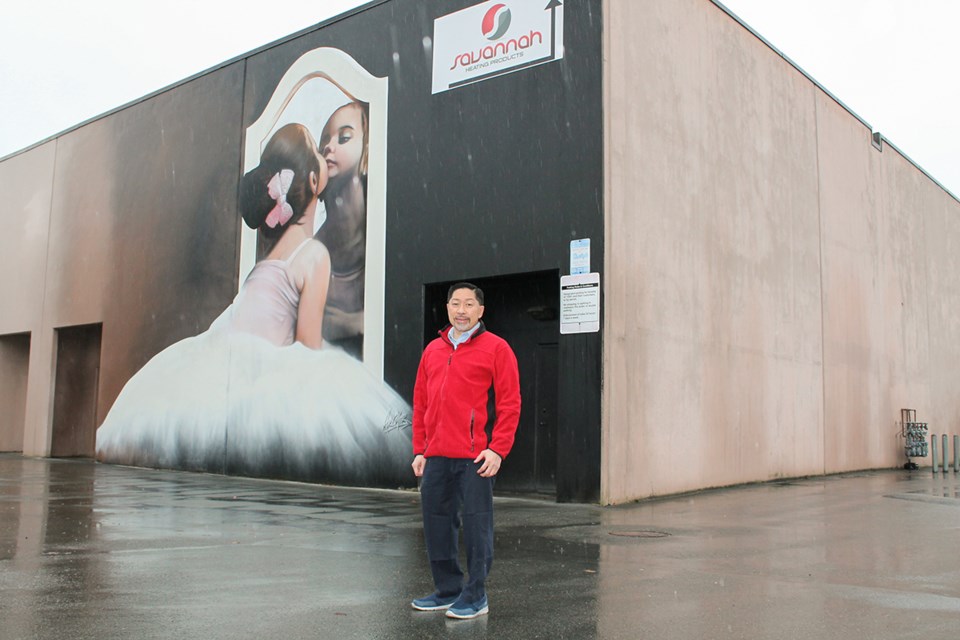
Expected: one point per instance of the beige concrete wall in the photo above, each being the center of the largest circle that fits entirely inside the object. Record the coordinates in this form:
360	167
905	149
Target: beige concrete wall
875	293
776	288
27	178
103	226
78	261
25	215
941	216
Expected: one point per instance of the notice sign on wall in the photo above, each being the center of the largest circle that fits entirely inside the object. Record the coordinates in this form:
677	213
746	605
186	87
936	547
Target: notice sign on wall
580	303
494	38
579	256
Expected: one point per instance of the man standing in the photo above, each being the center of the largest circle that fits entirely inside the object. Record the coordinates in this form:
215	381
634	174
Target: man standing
451	451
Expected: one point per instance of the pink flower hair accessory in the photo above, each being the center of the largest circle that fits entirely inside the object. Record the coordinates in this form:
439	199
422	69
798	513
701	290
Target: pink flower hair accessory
277	188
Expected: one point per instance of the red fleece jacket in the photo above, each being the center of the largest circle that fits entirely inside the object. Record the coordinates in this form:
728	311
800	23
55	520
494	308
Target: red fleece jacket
450	397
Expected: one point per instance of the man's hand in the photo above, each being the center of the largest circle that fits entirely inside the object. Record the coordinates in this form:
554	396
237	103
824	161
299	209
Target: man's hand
491	463
419	462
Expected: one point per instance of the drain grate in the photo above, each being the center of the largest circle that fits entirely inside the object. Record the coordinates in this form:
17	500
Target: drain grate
643	533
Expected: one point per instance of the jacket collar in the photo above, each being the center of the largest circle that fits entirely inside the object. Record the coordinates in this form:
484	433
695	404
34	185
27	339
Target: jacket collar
480	329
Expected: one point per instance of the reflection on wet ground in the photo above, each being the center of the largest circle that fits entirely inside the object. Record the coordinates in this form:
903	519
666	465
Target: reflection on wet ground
98	551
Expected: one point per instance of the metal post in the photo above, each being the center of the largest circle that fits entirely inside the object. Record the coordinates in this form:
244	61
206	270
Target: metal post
956	454
943	455
933	451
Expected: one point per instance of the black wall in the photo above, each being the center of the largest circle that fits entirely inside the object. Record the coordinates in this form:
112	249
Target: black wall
489	179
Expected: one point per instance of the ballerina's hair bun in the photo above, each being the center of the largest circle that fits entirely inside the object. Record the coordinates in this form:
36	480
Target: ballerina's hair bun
291	149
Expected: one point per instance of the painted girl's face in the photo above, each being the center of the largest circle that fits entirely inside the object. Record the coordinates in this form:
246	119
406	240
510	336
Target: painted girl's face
342	142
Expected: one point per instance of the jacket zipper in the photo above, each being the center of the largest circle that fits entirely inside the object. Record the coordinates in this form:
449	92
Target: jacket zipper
471	430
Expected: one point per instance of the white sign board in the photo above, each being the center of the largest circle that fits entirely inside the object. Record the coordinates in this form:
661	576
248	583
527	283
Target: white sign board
580	303
579	256
494	38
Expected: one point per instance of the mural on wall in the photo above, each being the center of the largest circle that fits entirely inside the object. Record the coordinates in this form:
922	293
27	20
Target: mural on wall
287	381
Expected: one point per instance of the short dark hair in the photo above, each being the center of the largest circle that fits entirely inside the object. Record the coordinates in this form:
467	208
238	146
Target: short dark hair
477	291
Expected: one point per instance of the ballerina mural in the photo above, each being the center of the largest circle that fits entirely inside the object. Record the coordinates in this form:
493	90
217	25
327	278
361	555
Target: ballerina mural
287	382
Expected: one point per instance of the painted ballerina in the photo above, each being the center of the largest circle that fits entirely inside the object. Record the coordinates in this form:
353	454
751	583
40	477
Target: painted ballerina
260	393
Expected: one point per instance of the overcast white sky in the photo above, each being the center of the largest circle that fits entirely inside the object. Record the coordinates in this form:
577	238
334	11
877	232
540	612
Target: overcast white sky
893	62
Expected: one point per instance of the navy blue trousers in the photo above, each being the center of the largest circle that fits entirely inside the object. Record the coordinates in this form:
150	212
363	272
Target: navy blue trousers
451	487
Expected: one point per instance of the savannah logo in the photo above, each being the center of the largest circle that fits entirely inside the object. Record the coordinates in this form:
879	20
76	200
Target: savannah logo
496	22
493	38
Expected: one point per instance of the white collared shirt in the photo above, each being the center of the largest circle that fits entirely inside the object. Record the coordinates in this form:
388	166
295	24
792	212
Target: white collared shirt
456	342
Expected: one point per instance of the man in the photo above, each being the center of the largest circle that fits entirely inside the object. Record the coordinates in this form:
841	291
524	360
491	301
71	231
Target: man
451	452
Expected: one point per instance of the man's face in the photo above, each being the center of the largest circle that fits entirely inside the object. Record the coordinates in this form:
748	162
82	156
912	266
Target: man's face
464	310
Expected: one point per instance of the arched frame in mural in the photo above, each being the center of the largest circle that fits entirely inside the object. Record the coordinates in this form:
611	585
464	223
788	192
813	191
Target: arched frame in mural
345	75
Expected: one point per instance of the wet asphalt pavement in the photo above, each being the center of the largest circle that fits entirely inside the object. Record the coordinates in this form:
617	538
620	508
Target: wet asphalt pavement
98	551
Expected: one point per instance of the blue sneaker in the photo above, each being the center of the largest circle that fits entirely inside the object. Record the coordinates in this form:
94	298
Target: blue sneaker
433	602
464	611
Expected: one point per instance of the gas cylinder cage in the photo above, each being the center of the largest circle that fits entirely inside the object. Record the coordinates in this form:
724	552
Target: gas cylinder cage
914	434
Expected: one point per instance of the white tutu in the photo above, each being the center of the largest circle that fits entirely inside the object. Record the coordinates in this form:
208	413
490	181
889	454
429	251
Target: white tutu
231	402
